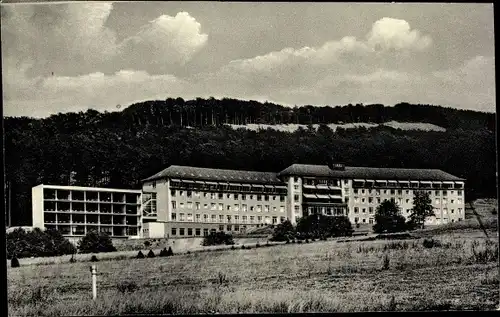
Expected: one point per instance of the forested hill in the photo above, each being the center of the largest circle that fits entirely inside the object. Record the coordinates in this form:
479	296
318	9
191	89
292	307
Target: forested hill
120	148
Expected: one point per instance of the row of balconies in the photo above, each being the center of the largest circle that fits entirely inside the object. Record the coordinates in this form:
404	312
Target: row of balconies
225	221
95	212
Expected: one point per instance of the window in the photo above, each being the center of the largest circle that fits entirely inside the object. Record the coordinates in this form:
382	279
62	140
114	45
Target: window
407	200
213	206
244	219
364	210
228	218
356	219
189	194
356	210
459	192
370	221
452	201
198	217
214	218
407	192
452	192
197	206
355	190
275	220
259	197
198	231
181	217
363	200
174	231
370	210
236	228
244	207
190	205
181	205
172	192
364	220
437	201
370	200
251	196
174	205
228	196
393	192
212	195
356	200
259	219
274	209
400	192
196	194
297	179
243	197
453	211
205	232
181	193
205	195
236	207
221	195
378	200
259	208
228	207
236	196
400	201
362	191
205	218
229	227
154	184
459	210
282	198
221	218
444	201
190	231
275	197
221	228
189	217
296	187
236	218
181	231
266	197
251	208
297	208
445	193
221	206
252	219
459	200
205	206
266	208
385	191
282	208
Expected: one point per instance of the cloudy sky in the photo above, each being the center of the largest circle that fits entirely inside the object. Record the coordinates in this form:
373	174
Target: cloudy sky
76	56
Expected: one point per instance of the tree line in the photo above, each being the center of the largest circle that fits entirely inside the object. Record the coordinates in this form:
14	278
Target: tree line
106	149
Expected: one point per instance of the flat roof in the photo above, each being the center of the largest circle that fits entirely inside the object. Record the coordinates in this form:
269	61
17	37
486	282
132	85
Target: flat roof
95	189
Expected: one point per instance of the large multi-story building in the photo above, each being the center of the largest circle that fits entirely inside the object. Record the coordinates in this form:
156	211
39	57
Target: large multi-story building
76	210
183	201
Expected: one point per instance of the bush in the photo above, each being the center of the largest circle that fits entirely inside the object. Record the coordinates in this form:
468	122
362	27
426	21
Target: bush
140	255
315	226
257	245
218	238
243	247
232	247
151	254
494	211
95	242
170	252
189	252
163	252
147	244
283	231
388	218
37	243
94	258
307	241
127	287
72	260
14	262
385	262
431	243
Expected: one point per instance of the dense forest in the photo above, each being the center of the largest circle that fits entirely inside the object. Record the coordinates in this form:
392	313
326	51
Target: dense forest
119	149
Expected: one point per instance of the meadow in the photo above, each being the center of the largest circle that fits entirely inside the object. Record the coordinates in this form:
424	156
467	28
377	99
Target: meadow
440	273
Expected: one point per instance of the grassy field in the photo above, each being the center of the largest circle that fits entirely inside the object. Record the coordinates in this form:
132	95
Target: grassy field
326	276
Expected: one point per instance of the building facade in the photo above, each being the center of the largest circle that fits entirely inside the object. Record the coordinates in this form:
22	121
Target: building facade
183	201
74	211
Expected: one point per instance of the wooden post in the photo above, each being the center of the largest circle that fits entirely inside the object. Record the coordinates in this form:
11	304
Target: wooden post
93	270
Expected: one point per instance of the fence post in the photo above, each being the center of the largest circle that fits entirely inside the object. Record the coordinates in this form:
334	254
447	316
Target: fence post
93	270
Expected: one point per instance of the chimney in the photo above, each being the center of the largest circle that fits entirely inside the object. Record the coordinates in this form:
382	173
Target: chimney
336	166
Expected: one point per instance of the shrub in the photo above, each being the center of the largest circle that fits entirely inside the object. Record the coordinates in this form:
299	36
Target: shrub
95	242
287	241
388	218
151	254
189	252
170	252
147	244
14	262
267	243
307	241
494	211
299	241
140	255
488	254
127	287
94	258
283	231
315	226
243	247
72	260
385	262
431	243
163	252
218	238
232	247
37	243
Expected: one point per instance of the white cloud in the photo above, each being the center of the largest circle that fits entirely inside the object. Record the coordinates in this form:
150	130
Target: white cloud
166	40
389	33
71	39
